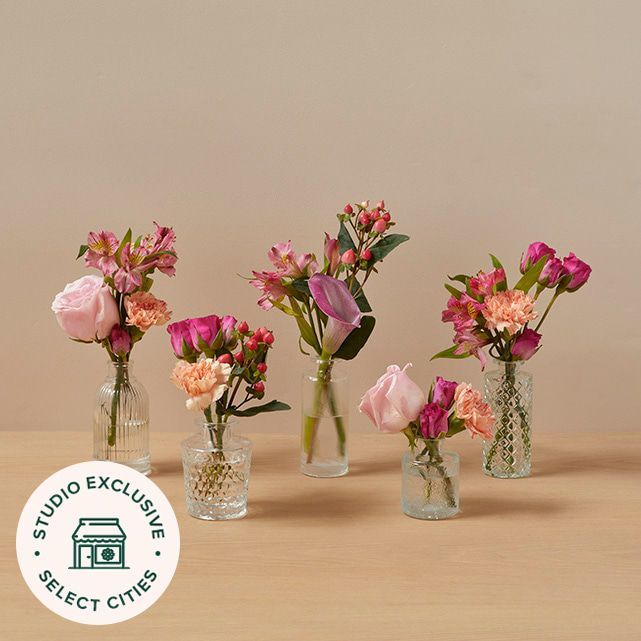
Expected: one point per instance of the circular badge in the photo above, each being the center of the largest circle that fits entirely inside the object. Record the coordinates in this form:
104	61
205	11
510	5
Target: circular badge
97	543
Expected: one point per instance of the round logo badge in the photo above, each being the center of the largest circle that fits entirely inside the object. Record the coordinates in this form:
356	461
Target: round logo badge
97	543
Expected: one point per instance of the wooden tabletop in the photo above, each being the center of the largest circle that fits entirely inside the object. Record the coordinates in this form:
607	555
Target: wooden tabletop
555	556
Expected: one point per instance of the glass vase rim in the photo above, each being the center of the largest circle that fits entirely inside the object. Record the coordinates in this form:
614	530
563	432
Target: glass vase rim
113	363
204	423
502	361
233	443
317	358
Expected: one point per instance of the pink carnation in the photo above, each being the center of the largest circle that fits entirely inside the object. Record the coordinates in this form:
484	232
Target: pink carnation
476	414
204	381
508	310
145	310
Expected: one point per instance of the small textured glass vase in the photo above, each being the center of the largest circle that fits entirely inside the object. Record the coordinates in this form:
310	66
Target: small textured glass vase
121	420
325	415
430	482
508	390
216	466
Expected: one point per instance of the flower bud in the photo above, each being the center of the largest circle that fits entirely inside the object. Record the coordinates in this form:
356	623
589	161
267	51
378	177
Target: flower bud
239	357
380	204
348	209
259	387
268	338
261	367
348	257
366	255
380	226
374	214
251	344
386	217
226	359
365	204
243	327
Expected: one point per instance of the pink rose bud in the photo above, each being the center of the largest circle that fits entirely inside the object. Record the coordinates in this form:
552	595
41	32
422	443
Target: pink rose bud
268	338
551	273
380	226
120	341
348	257
526	345
533	255
380	204
348	209
386	217
366	255
579	270
363	218
243	327
238	356
251	344
259	387
226	359
261	367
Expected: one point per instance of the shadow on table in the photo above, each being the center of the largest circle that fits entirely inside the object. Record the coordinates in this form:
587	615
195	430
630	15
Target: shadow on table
484	506
166	467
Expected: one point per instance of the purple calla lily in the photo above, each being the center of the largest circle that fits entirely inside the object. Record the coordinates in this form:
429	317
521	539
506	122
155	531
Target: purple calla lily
334	299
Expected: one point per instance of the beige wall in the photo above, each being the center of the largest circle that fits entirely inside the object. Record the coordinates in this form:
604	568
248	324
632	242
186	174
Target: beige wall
484	125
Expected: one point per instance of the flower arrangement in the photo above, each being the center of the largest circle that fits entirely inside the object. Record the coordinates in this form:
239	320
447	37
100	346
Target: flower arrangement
218	359
488	313
116	309
396	404
329	302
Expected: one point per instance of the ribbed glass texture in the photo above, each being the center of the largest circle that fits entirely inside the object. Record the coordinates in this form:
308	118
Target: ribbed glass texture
121	420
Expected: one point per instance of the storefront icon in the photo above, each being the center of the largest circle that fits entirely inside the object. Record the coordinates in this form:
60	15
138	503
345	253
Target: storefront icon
98	543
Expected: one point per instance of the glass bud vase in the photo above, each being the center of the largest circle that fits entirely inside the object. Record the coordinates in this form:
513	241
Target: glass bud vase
508	390
325	412
430	482
121	419
216	466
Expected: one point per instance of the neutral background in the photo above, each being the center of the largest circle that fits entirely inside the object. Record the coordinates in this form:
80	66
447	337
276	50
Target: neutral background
484	125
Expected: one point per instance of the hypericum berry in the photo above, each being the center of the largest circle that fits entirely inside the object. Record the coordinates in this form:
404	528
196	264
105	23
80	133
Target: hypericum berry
380	204
268	338
261	367
243	327
259	387
374	214
239	357
348	209
363	218
366	255
348	257
386	217
260	333
379	226
226	359
365	204
251	344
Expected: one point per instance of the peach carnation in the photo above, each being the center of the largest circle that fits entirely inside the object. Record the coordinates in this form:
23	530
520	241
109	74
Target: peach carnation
508	310
145	310
476	414
204	381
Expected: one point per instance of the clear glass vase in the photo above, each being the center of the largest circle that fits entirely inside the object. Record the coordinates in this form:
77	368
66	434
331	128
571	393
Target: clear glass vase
121	419
430	482
325	415
216	466
509	392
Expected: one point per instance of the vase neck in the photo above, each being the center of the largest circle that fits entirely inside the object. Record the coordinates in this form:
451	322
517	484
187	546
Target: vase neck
428	448
116	368
509	367
218	434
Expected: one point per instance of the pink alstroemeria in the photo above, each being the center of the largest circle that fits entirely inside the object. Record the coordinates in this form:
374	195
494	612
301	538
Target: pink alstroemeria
290	264
132	263
101	253
332	254
461	310
271	285
487	284
164	238
469	342
334	299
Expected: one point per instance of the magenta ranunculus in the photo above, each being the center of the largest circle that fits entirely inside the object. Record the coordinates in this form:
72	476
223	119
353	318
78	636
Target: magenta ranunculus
526	345
86	310
579	271
180	335
533	255
335	301
444	392
203	331
433	420
332	254
120	341
487	284
551	273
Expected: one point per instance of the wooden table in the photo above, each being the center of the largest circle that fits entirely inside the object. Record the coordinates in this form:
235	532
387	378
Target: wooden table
555	556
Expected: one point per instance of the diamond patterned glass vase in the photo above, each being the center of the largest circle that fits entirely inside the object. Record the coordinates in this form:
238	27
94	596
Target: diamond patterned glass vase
216	466
508	390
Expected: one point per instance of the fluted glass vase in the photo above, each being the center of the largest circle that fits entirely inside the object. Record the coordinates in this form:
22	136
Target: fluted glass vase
216	466
509	391
121	419
325	403
430	482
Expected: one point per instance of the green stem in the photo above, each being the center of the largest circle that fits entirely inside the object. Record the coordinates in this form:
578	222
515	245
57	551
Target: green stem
547	310
115	401
432	448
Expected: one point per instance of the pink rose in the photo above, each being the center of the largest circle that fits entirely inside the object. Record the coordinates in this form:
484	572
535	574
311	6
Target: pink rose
579	271
526	345
86	310
394	402
533	255
551	273
470	408
444	392
433	421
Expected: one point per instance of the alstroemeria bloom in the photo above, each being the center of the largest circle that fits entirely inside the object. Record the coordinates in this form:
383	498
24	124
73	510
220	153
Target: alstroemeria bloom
180	334
579	271
533	255
487	284
129	275
526	345
332	254
334	299
163	239
444	392
102	247
470	341
290	264
271	285
461	311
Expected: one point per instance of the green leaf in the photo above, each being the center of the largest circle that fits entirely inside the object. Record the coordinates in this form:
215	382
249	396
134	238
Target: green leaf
301	285
449	353
357	339
361	301
307	333
345	241
147	282
126	239
272	406
528	280
385	245
452	290
460	278
82	251
455	425
496	262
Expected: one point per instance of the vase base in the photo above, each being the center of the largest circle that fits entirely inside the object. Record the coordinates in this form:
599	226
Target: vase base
206	512
431	513
324	469
503	474
142	465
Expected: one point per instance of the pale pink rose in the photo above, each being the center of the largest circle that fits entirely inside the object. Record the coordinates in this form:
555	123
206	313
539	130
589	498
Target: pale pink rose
145	310
508	310
204	381
85	309
476	414
394	402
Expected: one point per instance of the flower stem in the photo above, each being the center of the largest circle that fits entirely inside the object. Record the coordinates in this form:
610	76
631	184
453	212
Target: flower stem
432	448
115	402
